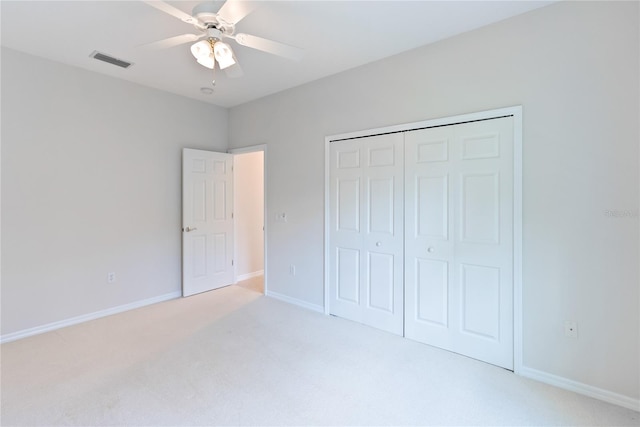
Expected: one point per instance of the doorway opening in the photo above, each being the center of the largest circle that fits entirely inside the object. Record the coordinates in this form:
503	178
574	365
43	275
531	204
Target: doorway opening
249	218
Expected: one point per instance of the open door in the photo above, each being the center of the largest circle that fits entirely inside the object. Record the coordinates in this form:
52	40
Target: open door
207	221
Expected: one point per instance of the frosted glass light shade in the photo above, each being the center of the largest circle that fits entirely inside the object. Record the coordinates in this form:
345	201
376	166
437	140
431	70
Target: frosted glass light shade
223	54
207	61
202	49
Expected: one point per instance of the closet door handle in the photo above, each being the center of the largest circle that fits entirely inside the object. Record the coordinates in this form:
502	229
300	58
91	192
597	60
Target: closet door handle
378	243
188	229
430	249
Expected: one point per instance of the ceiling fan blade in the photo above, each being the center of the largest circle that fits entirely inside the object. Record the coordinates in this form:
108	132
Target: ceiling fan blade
170	10
270	46
172	41
233	11
234	71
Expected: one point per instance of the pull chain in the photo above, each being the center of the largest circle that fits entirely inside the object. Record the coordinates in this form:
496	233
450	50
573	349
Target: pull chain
213	81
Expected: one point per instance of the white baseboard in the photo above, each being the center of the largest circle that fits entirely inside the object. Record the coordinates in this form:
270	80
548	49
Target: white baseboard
246	276
295	301
86	317
581	388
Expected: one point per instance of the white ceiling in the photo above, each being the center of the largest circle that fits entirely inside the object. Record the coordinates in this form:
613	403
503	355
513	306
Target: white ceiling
336	36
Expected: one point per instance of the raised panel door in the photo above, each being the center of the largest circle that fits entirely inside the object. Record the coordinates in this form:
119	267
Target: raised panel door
458	239
365	231
207	233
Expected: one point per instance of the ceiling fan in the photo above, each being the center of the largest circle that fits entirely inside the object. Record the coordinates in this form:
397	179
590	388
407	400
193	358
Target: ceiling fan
213	24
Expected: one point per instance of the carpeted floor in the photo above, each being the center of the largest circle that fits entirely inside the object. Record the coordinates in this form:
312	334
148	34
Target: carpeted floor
236	357
255	284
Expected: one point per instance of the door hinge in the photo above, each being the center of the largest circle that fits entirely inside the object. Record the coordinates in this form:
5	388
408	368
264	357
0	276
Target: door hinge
231	215
231	262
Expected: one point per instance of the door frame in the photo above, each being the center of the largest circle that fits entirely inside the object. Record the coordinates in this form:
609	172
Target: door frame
516	113
245	150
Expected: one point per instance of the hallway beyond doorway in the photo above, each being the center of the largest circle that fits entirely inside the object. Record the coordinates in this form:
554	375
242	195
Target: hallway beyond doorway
255	284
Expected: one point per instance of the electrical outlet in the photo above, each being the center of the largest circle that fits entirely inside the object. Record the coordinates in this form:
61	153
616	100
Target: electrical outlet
111	277
570	329
292	270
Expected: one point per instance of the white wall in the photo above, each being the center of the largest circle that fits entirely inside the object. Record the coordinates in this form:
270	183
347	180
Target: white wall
574	67
91	184
249	212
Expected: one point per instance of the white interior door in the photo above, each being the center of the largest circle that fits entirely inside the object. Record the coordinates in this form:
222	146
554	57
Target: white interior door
459	239
207	217
366	231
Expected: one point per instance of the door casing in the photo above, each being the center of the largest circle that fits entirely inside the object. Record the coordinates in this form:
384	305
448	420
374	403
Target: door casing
244	150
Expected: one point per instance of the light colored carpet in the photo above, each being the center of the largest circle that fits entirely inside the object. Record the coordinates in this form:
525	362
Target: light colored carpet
235	357
255	284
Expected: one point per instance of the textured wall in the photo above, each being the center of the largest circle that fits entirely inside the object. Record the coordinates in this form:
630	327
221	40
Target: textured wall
574	68
91	184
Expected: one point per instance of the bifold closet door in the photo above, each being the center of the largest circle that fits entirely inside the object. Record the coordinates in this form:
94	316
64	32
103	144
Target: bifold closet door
366	231
459	239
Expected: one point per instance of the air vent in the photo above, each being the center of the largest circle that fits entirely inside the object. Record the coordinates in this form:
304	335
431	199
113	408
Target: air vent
110	59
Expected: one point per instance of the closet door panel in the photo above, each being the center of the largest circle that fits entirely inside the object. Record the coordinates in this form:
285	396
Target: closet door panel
431	204
383	218
484	240
428	230
431	292
458	239
366	231
345	232
348	275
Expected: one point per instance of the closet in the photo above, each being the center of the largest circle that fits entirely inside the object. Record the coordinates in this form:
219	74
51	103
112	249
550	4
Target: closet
420	235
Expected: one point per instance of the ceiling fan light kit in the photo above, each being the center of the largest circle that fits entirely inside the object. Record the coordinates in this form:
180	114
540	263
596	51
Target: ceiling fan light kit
216	24
207	61
223	54
200	49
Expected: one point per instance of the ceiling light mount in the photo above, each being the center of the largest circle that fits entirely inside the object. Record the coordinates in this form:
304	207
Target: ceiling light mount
214	33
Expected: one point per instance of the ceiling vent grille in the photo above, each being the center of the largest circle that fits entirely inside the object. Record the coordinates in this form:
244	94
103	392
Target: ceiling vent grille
110	59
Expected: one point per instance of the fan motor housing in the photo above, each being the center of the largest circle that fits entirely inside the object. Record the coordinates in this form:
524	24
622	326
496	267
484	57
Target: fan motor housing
207	16
210	7
214	33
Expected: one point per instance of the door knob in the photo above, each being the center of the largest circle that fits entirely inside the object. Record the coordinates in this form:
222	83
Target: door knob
378	243
430	249
188	229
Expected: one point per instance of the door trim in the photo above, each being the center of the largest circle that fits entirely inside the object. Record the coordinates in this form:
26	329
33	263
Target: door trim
244	150
516	113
